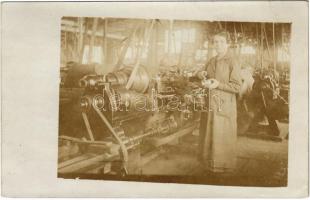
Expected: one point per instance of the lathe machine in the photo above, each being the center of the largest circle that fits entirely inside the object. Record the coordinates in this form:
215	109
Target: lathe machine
124	121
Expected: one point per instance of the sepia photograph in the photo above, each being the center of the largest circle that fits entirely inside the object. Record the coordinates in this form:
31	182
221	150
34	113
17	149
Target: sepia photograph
174	101
155	99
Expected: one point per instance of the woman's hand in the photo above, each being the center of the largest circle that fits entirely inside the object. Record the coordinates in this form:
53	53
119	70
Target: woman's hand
202	75
210	83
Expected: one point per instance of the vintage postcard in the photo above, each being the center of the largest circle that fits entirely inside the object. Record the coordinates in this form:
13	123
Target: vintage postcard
145	93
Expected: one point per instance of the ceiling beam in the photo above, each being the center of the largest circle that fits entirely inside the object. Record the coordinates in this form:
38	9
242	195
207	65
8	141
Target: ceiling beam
97	34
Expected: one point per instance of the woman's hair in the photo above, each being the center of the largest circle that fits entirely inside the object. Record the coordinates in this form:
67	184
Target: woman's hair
223	33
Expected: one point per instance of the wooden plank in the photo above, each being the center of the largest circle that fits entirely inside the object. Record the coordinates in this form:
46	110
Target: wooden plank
86	163
73	160
66	151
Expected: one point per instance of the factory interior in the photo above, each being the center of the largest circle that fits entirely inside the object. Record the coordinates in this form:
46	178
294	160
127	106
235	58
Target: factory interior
110	65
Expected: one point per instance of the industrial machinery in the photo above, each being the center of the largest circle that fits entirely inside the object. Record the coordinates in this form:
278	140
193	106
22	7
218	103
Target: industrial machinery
268	100
125	121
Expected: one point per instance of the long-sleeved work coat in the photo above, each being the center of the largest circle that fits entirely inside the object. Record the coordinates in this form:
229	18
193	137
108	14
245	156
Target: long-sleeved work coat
218	128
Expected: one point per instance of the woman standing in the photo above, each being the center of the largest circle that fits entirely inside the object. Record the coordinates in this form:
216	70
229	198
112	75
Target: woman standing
218	129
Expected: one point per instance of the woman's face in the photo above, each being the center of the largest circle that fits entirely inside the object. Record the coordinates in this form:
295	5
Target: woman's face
220	44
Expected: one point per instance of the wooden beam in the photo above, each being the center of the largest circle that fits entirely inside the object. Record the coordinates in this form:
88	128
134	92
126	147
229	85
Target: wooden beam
88	32
73	160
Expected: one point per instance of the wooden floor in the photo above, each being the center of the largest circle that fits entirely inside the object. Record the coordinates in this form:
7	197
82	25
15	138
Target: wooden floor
261	162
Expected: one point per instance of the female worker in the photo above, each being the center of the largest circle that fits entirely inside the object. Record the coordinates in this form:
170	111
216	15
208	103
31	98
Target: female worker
218	129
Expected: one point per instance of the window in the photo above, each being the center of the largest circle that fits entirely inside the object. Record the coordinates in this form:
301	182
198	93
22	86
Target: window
283	55
178	37
249	50
131	52
97	54
201	55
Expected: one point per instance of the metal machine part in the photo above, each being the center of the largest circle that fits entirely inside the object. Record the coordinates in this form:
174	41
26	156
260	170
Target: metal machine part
118	78
266	101
145	113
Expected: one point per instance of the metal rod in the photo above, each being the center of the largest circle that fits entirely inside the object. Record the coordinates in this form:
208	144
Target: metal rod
264	100
264	28
282	44
78	140
80	40
105	42
98	159
170	37
90	133
235	33
261	45
241	28
257	39
119	141
220	25
83	45
92	40
274	46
